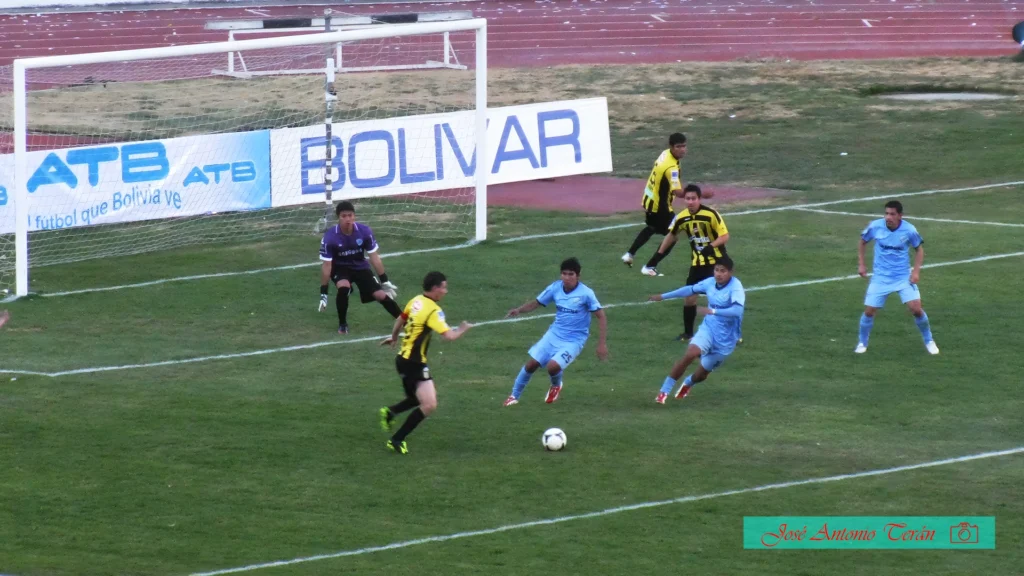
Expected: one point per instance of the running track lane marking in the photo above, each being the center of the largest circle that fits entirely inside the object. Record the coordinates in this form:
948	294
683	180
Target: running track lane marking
616	510
522	238
483	323
912	218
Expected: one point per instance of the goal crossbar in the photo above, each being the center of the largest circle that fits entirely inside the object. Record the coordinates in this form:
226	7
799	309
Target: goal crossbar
20	98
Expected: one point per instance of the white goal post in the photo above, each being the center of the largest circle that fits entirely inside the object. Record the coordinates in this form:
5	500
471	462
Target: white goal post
28	125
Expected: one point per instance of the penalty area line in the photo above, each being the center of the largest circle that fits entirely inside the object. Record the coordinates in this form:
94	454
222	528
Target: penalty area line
321	344
617	510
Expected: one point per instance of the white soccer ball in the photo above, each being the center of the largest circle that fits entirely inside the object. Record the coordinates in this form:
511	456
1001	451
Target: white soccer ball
553	439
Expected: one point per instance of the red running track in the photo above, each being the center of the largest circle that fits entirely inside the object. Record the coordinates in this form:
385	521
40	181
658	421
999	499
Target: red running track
595	31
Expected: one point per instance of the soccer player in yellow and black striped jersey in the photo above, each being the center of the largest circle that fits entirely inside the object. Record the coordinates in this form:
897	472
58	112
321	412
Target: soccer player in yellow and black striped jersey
659	194
422	318
706	231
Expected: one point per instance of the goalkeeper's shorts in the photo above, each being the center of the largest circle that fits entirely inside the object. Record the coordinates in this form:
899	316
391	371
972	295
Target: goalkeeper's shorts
362	278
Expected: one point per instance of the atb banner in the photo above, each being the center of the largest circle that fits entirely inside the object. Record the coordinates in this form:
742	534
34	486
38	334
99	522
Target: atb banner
424	153
129	182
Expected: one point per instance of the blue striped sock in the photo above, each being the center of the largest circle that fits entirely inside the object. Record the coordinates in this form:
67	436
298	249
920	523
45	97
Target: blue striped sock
556	379
924	327
669	384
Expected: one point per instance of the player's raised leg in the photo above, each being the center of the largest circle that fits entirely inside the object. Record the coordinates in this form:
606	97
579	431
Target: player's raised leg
523	378
678	369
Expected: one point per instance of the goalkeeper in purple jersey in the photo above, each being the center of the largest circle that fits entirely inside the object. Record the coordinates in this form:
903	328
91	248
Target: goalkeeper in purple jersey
347	251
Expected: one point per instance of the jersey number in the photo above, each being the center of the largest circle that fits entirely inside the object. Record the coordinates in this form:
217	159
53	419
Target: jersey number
567	357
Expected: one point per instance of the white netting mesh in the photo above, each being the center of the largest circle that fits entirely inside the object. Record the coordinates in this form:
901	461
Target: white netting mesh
136	156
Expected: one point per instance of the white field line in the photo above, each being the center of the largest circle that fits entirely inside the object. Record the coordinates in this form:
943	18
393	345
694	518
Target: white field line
483	323
529	237
781	209
616	510
913	218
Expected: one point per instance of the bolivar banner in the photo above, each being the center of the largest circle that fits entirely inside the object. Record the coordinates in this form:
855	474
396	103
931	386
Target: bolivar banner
135	181
424	153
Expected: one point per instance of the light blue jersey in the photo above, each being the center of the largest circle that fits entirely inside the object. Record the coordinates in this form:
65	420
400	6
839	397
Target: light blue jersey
892	250
723	327
572	311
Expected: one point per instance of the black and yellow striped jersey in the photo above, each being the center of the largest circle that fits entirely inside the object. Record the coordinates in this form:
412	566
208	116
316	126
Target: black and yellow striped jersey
701	229
422	317
662	185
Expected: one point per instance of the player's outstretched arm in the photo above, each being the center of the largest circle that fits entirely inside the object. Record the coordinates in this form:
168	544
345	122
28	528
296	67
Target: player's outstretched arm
602	338
395	330
456	333
683	292
525	308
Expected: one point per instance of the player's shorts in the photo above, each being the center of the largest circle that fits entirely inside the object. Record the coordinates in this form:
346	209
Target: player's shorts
550	348
698	273
879	291
660	221
711	353
411	373
364	279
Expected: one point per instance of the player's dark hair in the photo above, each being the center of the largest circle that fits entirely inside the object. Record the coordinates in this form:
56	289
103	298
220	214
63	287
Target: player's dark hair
692	188
571	265
344	206
895	204
677	138
433	280
724	261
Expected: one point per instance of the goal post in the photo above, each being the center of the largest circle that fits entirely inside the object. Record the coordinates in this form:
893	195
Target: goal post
122	125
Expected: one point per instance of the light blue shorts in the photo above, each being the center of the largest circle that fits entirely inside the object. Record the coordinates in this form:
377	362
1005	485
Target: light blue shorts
879	291
711	354
550	348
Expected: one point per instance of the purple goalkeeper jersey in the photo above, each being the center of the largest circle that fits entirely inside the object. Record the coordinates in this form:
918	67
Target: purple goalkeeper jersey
348	250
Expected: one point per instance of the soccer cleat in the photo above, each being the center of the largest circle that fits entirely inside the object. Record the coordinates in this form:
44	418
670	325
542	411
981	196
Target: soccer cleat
400	449
511	401
684	337
387	419
647	271
683	391
627	259
861	348
343	329
553	393
932	347
661	398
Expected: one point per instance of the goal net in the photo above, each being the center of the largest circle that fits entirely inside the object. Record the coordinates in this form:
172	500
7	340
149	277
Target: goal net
120	153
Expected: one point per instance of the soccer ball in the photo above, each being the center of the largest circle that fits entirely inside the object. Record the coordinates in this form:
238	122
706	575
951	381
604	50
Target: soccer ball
553	439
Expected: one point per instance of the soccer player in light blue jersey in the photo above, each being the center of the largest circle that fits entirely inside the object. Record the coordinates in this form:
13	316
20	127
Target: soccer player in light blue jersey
564	340
718	333
892	272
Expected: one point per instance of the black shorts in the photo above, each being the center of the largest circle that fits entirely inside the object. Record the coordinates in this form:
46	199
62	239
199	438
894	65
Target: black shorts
698	273
660	221
411	373
364	279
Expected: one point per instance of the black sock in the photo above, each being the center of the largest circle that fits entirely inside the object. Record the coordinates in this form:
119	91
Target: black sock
669	249
410	424
689	316
641	239
653	262
342	302
391	307
404	405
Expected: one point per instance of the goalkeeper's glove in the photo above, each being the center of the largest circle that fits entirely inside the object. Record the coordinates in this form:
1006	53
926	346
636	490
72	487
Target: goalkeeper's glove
323	298
708	251
390	289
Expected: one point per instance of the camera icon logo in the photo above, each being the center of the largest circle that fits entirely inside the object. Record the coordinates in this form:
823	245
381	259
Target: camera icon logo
963	533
